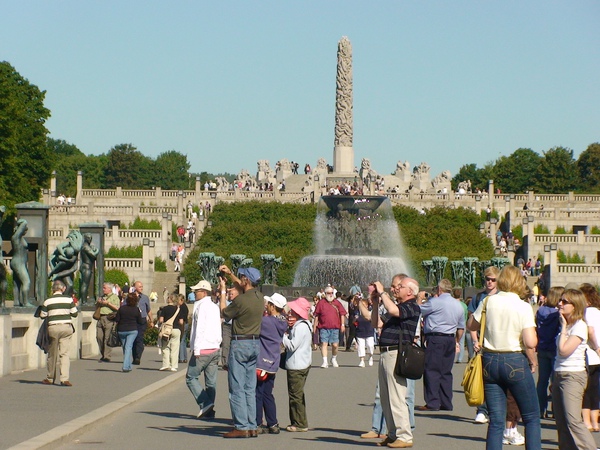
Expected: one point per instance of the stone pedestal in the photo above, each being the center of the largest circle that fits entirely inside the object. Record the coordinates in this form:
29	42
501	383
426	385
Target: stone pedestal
343	160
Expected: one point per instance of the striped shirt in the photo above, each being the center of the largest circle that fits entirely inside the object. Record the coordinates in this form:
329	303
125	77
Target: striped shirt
58	309
404	326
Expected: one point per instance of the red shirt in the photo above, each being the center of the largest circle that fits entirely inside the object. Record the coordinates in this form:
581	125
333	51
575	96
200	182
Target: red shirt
329	314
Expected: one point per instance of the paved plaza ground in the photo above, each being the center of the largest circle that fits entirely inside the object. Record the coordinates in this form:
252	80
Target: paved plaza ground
148	409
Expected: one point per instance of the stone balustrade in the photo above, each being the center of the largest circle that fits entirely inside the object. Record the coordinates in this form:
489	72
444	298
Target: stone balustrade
579	268
556	238
122	263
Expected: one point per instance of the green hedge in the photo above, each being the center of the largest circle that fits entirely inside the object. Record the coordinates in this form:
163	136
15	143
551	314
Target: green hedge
286	230
133	251
142	224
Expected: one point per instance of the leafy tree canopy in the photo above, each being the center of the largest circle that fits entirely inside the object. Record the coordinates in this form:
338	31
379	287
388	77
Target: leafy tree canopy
128	168
557	171
516	173
171	171
588	165
23	151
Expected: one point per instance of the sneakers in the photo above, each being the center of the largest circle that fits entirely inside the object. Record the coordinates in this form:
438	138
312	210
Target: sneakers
512	437
162	369
295	429
361	364
371	361
173	369
481	418
324	365
208	412
334	362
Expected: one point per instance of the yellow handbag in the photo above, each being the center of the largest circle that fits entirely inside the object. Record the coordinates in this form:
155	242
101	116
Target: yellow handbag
472	382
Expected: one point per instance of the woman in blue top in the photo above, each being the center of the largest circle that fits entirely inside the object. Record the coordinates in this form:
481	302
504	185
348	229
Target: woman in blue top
271	334
365	334
547	327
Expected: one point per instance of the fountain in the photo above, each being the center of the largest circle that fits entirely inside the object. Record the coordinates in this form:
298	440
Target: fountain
357	242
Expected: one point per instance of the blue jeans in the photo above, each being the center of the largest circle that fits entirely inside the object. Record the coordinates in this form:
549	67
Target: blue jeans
545	369
461	352
183	344
242	382
265	401
209	364
510	371
410	402
378	425
329	336
127	339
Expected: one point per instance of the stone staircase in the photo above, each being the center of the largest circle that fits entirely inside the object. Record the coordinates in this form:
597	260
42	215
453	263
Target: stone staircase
168	279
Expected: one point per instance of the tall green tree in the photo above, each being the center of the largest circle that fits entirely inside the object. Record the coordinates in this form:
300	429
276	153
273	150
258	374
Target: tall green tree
557	172
171	170
128	168
589	168
479	176
68	159
24	155
516	173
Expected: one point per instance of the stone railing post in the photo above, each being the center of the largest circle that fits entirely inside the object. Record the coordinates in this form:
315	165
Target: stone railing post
79	192
146	255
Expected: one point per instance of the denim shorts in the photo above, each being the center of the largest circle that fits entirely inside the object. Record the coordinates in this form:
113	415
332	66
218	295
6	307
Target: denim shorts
329	336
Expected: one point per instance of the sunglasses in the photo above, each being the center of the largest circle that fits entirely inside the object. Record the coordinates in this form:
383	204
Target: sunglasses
565	301
493	280
328	293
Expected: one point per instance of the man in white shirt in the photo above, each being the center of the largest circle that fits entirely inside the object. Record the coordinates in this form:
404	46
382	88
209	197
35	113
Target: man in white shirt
205	341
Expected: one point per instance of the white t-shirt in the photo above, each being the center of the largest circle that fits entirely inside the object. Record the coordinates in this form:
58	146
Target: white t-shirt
506	318
592	317
575	362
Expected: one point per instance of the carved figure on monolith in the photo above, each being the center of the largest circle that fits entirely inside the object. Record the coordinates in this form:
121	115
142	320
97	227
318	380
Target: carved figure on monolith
18	265
89	254
270	266
63	263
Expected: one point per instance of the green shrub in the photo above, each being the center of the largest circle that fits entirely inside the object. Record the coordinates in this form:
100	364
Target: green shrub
143	224
518	232
116	276
560	230
125	252
541	229
151	336
595	229
575	258
494	215
160	265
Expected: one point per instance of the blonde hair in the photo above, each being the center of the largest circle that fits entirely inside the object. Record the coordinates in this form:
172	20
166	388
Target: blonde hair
579	302
491	271
554	295
511	280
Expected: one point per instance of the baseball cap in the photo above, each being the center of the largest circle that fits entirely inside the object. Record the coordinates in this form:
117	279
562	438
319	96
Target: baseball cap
249	272
203	284
277	299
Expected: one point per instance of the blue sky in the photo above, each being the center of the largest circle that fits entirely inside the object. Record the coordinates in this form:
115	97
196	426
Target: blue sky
232	82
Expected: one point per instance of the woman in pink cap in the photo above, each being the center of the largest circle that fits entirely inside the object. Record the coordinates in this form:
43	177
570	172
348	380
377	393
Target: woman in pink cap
297	344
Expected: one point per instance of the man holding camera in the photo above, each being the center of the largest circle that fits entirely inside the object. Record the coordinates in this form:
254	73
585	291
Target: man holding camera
247	311
398	324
